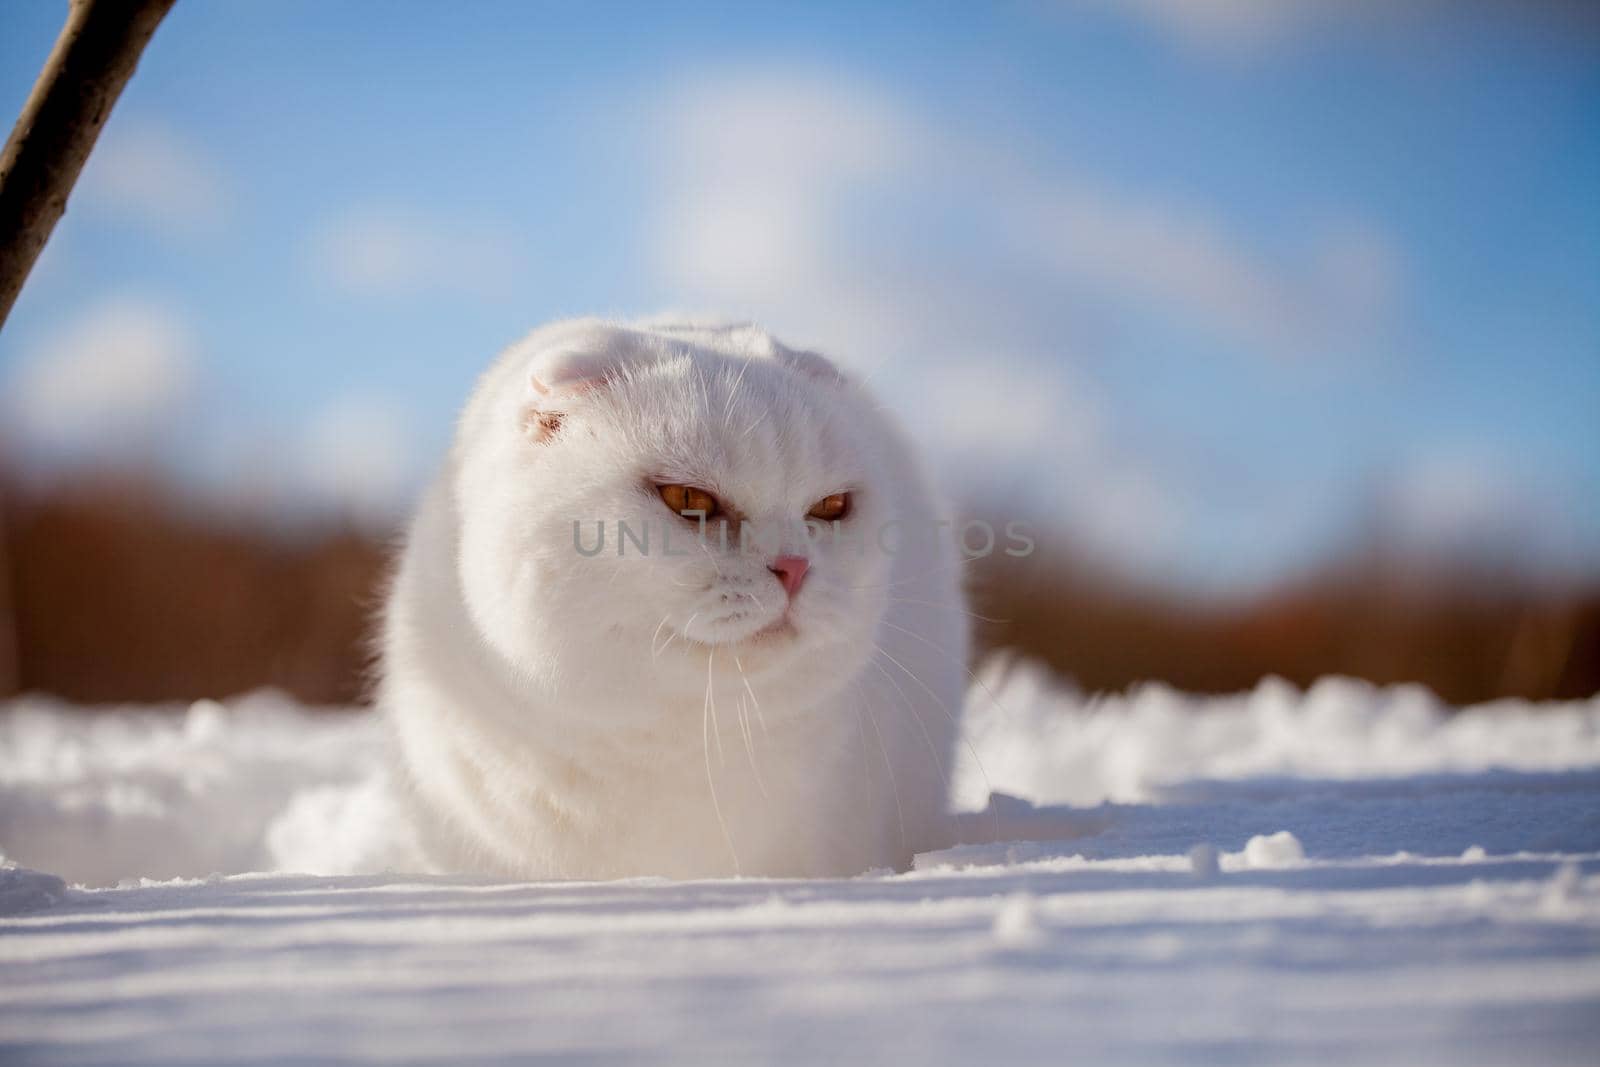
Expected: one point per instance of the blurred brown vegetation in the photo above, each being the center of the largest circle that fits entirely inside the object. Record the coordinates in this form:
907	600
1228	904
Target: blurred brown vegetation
114	590
1470	636
118	592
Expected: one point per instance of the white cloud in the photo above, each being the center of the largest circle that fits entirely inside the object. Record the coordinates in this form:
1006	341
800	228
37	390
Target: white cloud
1035	441
1231	30
1359	270
752	167
356	457
1223	26
1167	255
395	251
151	174
1446	497
791	128
1468	503
1004	406
767	208
741	241
116	373
1188	262
1250	30
950	268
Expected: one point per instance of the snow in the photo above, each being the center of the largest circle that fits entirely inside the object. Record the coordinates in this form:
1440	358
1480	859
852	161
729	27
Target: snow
1267	851
1345	875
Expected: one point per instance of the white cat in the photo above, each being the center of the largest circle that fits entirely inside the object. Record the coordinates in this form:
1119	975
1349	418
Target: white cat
782	706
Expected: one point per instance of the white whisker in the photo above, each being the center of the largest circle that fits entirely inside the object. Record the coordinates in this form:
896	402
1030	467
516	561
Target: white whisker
938	761
947	607
981	684
655	653
954	721
750	744
710	556
888	766
760	718
674	635
861	733
711	699
711	783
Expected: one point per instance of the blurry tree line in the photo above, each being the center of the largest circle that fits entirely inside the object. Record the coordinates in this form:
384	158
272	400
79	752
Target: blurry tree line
1469	632
116	590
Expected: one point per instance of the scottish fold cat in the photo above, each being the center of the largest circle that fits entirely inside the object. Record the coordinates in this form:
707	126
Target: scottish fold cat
681	602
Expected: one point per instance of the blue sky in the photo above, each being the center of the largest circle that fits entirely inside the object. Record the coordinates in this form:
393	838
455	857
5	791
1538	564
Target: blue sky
1213	286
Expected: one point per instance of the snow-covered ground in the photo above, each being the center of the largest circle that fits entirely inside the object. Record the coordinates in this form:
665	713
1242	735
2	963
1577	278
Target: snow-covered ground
1348	875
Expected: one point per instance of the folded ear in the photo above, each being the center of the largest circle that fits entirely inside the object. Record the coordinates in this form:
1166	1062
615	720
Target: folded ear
811	364
578	358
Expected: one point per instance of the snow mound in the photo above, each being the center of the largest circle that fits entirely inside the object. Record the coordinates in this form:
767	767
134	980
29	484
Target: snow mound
22	890
1269	851
1036	738
261	784
1347	876
164	792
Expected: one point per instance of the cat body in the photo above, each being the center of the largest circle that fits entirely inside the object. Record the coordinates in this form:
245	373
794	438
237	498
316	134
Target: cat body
683	703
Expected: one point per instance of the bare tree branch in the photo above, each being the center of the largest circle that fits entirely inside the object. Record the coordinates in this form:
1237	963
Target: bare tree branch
92	60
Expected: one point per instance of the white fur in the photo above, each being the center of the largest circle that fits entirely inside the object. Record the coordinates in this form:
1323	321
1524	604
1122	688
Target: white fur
564	716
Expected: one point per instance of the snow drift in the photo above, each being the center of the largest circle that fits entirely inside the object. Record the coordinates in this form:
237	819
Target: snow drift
260	784
1345	875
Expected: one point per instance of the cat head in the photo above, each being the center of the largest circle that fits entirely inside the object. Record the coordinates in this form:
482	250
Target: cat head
643	508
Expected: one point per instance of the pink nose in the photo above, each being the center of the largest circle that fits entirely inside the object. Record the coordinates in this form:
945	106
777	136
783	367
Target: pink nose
791	571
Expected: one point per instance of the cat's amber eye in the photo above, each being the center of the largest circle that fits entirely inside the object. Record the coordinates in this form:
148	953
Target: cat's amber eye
686	498
831	507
